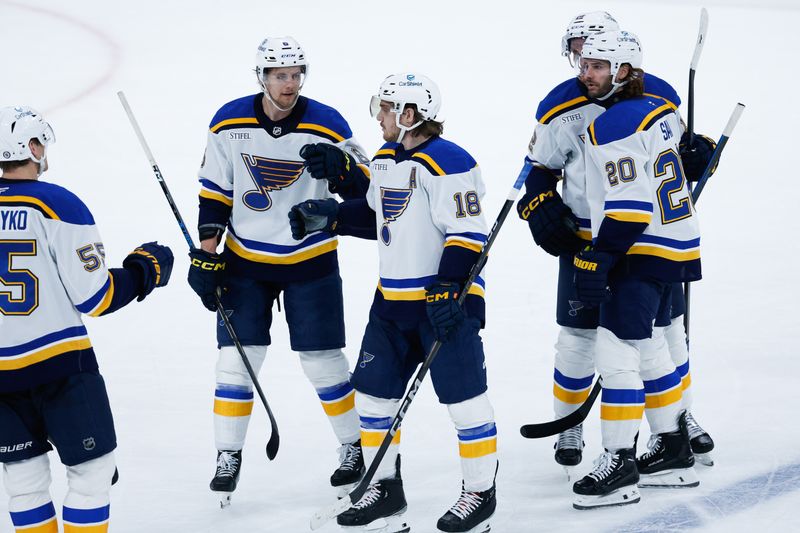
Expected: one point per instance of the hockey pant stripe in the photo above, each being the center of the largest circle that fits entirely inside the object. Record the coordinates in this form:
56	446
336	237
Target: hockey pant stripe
86	520
39	520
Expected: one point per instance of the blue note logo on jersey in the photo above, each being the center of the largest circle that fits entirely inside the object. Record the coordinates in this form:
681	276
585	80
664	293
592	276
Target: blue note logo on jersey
393	204
268	175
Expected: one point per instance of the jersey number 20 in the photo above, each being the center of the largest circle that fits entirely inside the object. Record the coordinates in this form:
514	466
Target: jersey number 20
19	288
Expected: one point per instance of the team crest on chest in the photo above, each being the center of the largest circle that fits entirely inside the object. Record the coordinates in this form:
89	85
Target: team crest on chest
393	204
268	175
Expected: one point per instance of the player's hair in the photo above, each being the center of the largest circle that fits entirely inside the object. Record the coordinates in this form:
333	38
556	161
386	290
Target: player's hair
428	128
635	85
6	166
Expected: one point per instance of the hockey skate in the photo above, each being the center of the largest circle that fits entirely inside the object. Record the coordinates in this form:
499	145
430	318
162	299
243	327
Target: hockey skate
381	508
350	470
612	482
569	449
669	462
229	464
701	442
471	513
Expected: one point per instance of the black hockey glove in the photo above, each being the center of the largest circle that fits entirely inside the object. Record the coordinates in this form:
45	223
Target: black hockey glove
444	313
552	223
591	276
313	215
154	263
206	273
327	162
695	158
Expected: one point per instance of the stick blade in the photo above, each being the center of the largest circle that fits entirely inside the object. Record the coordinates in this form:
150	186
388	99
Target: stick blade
326	514
272	445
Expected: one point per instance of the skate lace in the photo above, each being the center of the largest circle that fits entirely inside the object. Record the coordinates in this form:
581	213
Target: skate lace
654	445
603	466
466	504
227	463
348	456
372	495
693	427
571	438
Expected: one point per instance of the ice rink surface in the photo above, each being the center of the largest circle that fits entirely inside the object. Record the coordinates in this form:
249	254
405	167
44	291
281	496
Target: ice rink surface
179	61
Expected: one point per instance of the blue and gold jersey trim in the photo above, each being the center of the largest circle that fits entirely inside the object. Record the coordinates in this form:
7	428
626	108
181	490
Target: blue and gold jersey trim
44	348
385	153
211	191
441	157
100	301
233	123
278	254
584	228
320	131
468	240
413	289
629	210
562	108
665	248
52	201
29	201
428	162
656	115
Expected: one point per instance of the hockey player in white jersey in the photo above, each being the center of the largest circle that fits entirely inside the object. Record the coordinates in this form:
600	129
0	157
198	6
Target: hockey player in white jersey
424	208
645	237
560	225
252	174
52	270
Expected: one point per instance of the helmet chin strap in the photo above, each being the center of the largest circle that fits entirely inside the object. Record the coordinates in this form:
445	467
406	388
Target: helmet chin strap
403	129
42	161
279	108
614	88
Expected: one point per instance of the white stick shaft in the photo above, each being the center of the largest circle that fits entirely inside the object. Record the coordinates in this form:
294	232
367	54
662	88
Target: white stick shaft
136	127
701	38
737	112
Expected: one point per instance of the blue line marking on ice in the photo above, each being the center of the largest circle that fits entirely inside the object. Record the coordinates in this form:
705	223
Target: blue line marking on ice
720	503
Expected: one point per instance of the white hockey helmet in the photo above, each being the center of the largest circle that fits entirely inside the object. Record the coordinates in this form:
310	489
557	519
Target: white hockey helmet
583	25
617	47
277	52
18	125
408	88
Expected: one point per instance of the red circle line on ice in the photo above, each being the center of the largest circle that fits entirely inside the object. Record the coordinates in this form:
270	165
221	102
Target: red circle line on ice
108	43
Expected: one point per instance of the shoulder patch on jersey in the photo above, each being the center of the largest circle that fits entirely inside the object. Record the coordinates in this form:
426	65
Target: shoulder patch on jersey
628	117
324	121
443	157
52	201
235	114
655	86
566	97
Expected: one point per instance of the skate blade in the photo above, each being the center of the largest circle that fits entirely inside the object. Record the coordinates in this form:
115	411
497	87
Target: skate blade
390	524
704	459
623	496
224	499
483	527
670	479
569	471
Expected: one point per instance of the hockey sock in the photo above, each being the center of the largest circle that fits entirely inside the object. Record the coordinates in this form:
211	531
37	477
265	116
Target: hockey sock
662	384
328	371
574	369
233	395
87	504
375	415
679	352
477	441
30	506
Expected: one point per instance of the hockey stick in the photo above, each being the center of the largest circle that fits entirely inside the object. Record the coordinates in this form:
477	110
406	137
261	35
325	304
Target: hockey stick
723	140
554	427
698	49
274	439
324	515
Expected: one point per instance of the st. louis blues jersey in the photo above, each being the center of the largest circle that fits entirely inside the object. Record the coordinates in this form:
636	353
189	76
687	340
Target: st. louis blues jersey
558	141
252	175
638	196
52	270
430	224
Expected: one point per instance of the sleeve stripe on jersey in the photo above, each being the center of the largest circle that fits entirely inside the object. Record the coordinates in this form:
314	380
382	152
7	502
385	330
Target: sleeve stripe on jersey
98	297
213	187
104	305
30	201
464	244
672	255
478	237
672	105
654	116
429	163
671	243
386	152
632	205
216	196
562	108
627	216
233	122
327	133
365	169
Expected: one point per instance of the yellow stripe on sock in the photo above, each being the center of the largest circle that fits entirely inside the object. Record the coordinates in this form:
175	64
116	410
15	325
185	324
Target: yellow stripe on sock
617	412
49	527
653	401
374	438
224	408
94	528
567	396
686	381
342	406
473	450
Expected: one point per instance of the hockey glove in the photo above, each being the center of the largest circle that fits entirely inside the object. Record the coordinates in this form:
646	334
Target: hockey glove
327	162
695	158
552	223
206	273
154	263
591	276
444	313
313	215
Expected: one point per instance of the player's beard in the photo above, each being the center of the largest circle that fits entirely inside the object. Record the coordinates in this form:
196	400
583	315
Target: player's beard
597	91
